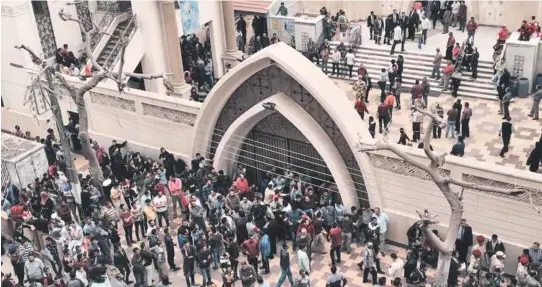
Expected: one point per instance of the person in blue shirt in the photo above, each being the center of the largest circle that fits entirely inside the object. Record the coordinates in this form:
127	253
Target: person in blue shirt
265	251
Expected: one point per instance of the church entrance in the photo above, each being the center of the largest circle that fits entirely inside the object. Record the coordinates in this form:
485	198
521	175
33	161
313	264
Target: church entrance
266	155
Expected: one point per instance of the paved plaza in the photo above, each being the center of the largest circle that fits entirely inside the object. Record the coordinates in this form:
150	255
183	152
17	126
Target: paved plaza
484	143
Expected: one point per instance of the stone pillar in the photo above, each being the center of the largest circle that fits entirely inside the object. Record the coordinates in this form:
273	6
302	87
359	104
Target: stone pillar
174	61
232	53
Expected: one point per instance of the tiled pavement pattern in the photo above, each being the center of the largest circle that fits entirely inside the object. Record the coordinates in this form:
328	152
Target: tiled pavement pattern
484	144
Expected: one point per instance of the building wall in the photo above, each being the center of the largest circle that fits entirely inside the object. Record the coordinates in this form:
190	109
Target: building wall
66	32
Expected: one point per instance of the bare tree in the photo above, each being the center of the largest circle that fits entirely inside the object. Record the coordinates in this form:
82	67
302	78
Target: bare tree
444	183
77	94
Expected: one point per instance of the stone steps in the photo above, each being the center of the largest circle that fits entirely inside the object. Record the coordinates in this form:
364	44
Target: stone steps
418	65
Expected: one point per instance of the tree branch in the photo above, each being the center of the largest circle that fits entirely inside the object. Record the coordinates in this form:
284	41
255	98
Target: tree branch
492	189
144	76
35	58
436	161
395	149
120	82
532	203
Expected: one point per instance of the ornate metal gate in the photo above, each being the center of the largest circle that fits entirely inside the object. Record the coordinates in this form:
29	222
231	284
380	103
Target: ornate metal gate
45	28
262	152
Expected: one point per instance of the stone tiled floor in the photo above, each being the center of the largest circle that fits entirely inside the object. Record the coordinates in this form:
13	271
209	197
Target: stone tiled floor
484	143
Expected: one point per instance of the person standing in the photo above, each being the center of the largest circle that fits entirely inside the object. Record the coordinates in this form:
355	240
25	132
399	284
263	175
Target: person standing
204	259
415	91
397	37
414	20
175	189
463	241
335	235
446	75
383	116
286	271
283	12
378	28
170	249
336	279
350	61
471	30
450	46
303	262
426	24
437	61
251	248
452	118
361	107
382	83
465	120
400	68
446	21
506	103
462	16
458	107
121	262
189	257
389	30
161	206
474	63
371	24
335	58
505	132
417	118
537	96
455	13
426	89
369	265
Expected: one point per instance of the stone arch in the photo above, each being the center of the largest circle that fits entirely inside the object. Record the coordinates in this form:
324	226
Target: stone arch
228	148
302	79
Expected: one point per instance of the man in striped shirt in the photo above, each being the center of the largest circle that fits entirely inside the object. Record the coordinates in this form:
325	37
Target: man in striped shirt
536	255
26	249
110	214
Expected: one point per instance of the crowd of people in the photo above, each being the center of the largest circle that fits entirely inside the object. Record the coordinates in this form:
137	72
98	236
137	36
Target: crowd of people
198	65
228	225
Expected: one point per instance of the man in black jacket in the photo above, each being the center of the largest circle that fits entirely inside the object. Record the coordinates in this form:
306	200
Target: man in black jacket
189	257
121	262
170	250
204	259
139	269
435	9
389	29
506	133
464	240
370	23
413	23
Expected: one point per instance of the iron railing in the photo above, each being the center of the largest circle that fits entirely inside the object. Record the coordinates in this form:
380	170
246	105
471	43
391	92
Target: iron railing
112	10
125	38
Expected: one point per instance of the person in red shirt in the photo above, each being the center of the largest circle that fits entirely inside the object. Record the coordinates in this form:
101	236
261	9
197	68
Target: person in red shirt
446	75
251	248
471	29
335	235
503	35
241	183
389	101
361	108
383	117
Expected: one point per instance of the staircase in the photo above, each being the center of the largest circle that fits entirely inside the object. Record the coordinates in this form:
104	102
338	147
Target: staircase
109	54
418	65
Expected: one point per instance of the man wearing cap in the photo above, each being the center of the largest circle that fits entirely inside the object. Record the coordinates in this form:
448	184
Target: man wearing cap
522	271
497	263
480	246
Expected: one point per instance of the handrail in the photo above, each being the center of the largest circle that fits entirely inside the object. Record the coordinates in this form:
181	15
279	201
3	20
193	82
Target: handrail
122	37
112	12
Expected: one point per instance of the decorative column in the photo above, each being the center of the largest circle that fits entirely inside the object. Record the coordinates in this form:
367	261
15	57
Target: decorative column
174	61
232	53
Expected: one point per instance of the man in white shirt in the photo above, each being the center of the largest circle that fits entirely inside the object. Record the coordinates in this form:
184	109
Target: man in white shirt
335	58
350	61
383	221
397	37
396	267
426	24
455	12
160	204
